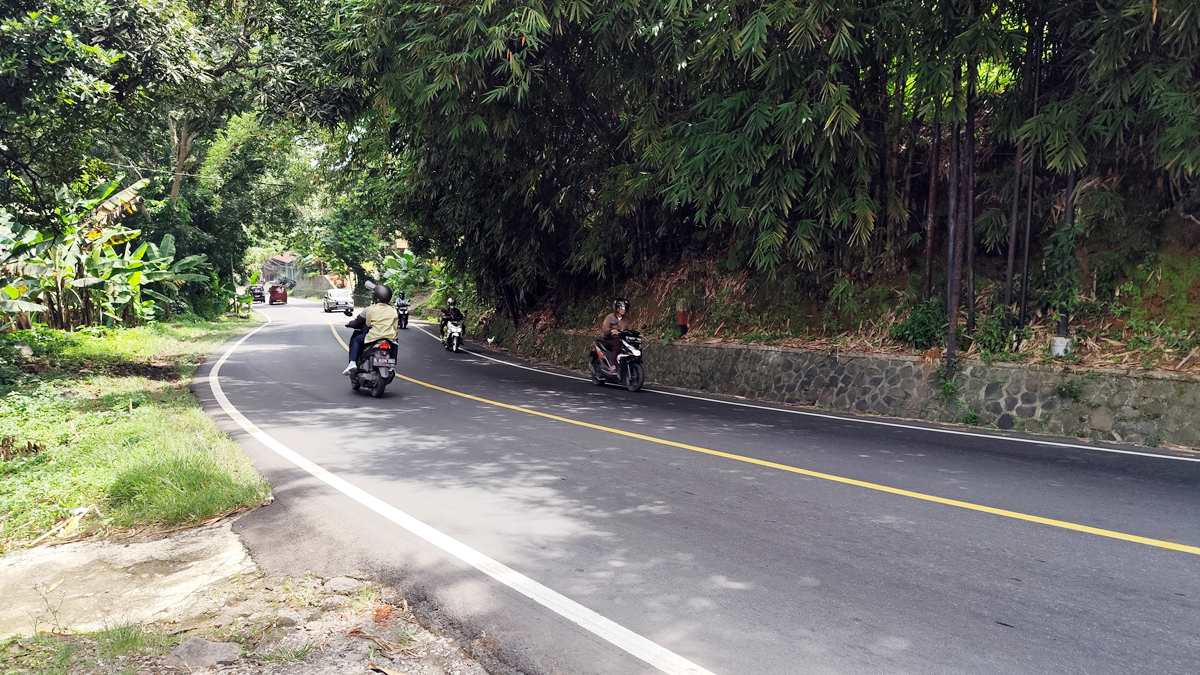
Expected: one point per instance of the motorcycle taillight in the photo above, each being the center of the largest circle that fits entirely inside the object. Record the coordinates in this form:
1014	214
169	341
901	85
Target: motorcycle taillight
384	345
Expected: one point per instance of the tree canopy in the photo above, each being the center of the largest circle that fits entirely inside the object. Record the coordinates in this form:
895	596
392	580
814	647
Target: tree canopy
529	139
543	147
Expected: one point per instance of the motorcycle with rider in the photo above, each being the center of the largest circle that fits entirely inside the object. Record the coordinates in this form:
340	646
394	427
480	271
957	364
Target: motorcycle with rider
616	357
401	310
451	324
373	346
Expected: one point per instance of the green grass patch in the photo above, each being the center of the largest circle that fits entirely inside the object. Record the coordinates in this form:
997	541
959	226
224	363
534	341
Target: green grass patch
133	639
51	653
114	430
44	654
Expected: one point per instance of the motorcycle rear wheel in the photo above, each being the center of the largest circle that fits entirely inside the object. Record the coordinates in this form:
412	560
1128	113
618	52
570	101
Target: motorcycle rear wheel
377	390
597	378
634	377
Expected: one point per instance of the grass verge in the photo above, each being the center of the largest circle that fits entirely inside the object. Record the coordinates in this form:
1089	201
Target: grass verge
98	431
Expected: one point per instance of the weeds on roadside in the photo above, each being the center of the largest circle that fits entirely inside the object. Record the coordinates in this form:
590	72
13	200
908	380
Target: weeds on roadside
287	655
1071	389
54	654
365	597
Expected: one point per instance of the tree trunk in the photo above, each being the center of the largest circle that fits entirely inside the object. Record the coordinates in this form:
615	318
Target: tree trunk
894	161
968	211
181	147
954	245
1065	280
1030	51
953	250
906	191
1037	77
935	166
1012	233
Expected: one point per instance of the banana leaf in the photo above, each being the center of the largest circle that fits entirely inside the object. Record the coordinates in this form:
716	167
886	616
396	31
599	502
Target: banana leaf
106	211
14	306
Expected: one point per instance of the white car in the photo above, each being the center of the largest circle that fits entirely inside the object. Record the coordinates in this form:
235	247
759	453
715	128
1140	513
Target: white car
338	299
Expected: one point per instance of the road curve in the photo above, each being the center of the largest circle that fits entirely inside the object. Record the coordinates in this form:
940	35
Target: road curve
803	545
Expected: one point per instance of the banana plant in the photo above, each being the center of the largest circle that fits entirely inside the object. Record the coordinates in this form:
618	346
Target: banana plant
17	243
90	273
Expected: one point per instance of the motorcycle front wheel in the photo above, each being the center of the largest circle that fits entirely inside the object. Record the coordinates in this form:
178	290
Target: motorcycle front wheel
354	383
455	344
634	377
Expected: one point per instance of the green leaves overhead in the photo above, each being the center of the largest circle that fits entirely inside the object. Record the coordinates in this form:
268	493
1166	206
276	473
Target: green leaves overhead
557	142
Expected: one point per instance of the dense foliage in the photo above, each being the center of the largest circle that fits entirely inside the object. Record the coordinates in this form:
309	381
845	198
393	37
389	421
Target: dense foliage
547	150
541	146
167	94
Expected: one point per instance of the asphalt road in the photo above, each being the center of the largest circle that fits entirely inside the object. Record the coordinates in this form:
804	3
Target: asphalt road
813	545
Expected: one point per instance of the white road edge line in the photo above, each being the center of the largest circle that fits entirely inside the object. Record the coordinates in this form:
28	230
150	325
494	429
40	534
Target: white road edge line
856	420
652	653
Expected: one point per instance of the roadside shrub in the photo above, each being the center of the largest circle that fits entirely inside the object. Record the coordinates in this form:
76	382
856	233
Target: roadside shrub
925	327
990	336
10	364
208	306
44	341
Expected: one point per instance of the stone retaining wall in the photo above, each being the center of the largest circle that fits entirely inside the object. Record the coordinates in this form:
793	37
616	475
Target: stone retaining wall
1105	405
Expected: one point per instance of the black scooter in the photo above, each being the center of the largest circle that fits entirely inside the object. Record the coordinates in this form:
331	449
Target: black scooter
376	365
628	359
376	362
401	313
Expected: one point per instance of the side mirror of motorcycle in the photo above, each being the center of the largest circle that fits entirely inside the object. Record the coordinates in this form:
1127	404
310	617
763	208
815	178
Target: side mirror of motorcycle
369	284
349	312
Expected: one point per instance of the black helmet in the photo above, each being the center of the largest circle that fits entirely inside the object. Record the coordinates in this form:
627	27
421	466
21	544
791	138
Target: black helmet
620	305
402	295
382	294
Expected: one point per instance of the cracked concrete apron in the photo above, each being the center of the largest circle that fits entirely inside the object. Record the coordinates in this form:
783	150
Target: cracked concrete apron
88	586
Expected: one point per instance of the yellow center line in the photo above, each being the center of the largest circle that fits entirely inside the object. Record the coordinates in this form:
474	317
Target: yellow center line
1066	525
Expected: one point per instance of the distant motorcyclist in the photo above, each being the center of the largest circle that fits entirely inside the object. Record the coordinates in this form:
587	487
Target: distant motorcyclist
613	325
379	321
450	312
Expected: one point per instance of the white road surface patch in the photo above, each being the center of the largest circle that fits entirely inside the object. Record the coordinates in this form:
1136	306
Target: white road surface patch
652	653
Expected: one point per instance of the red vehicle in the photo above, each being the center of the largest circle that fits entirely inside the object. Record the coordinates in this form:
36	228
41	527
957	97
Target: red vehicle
277	293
